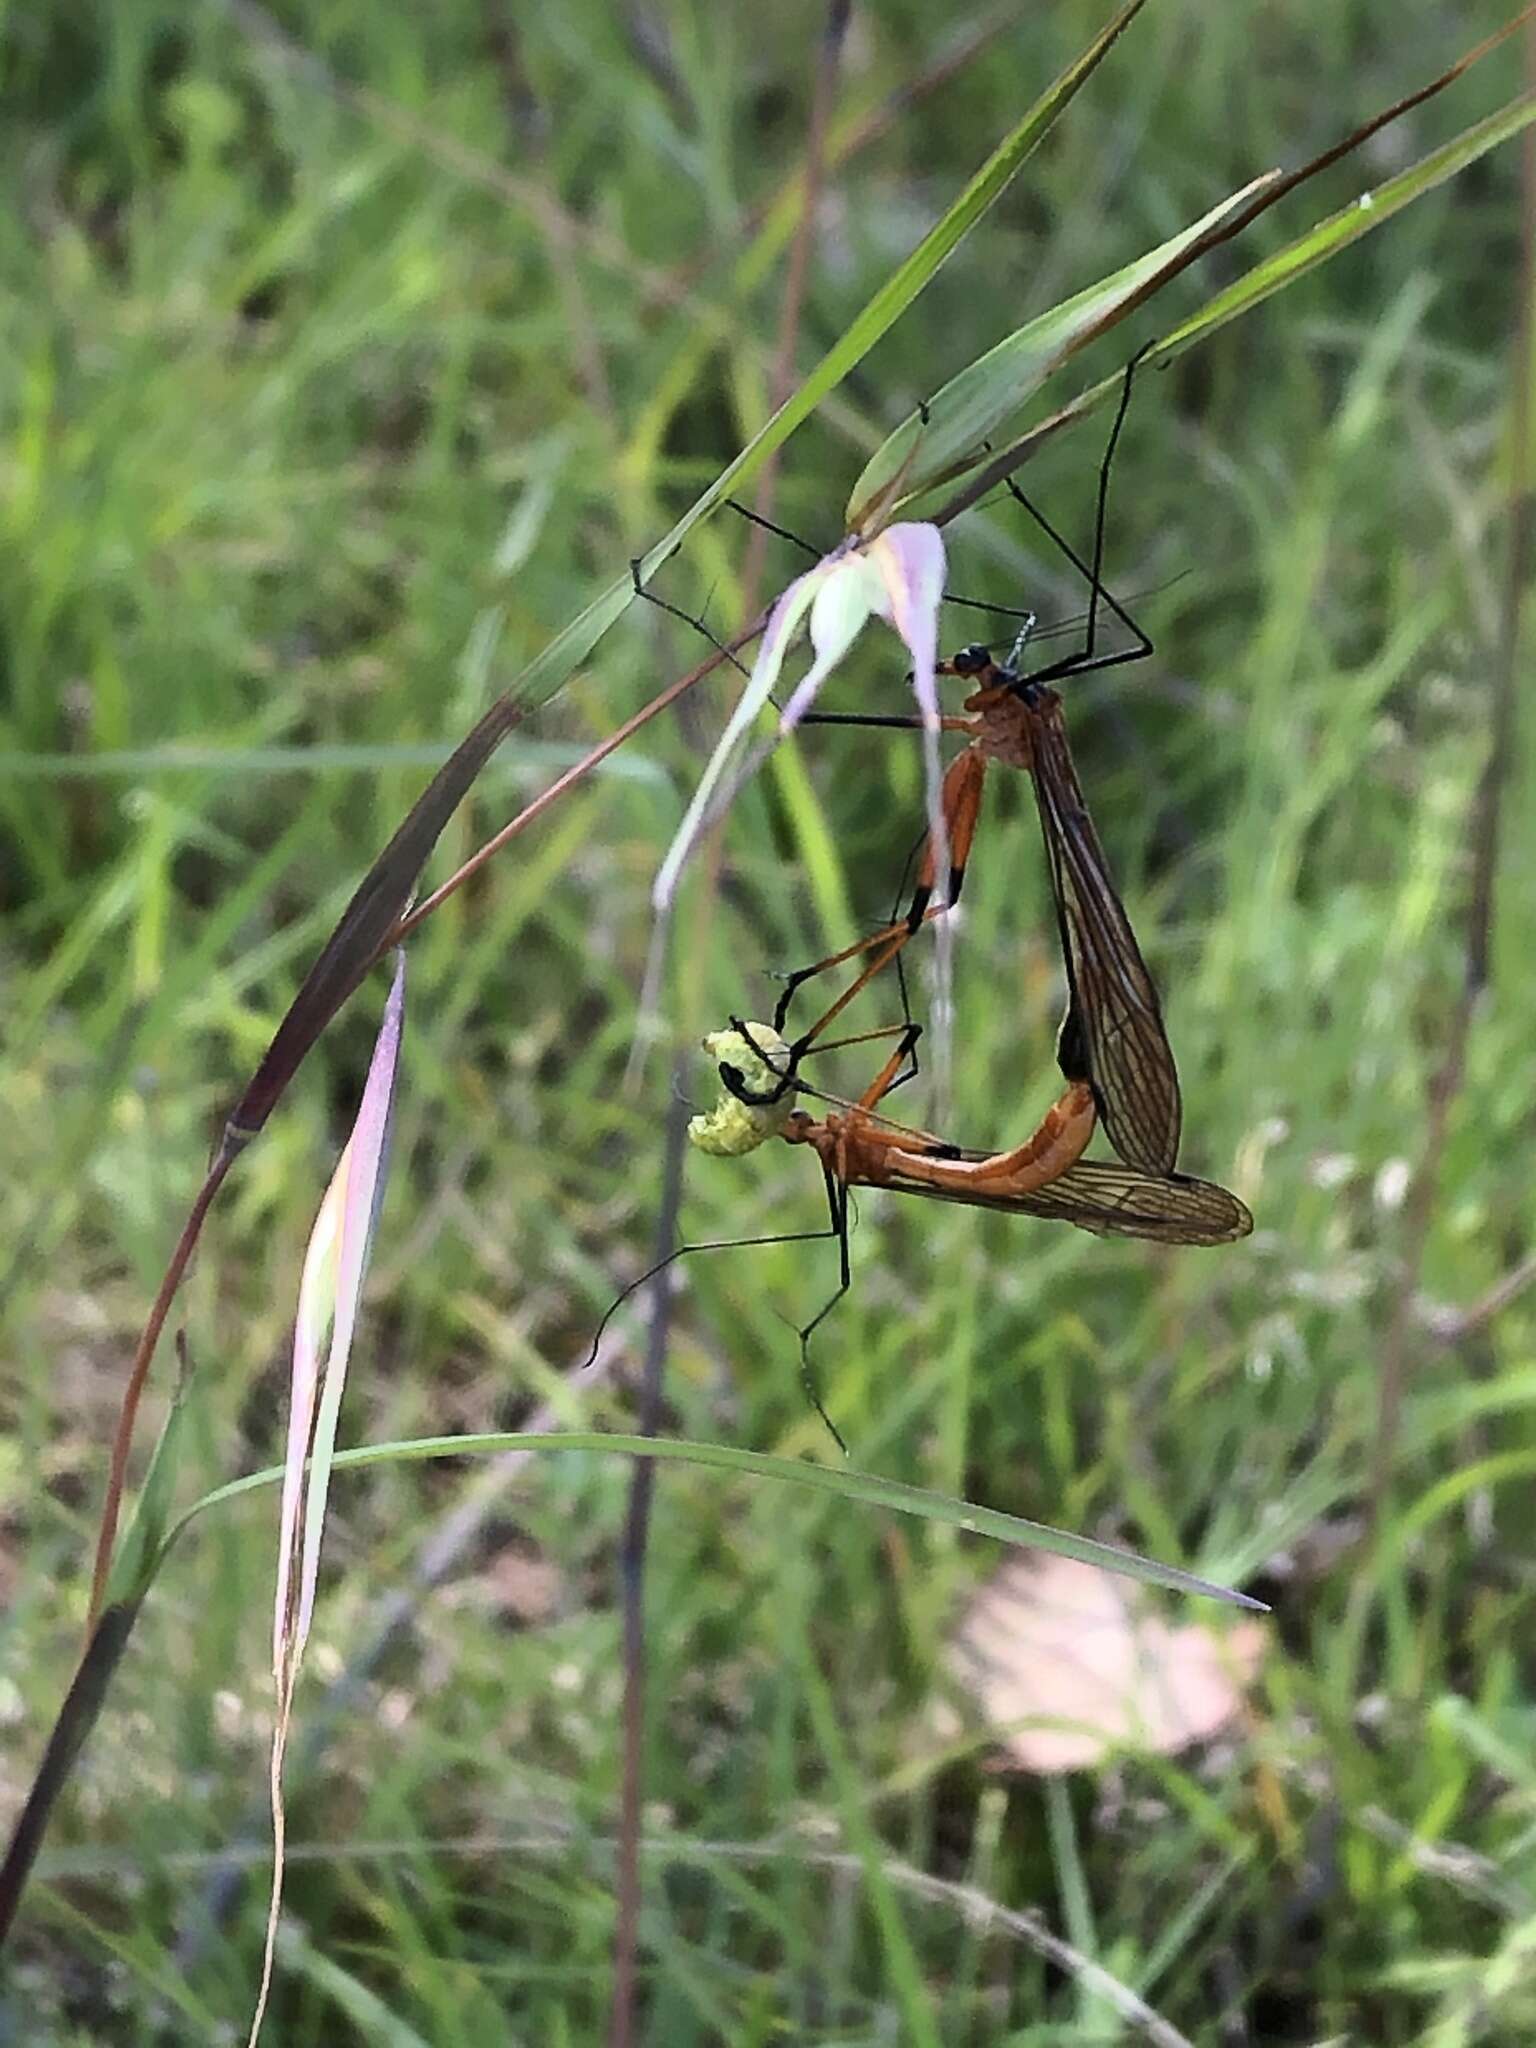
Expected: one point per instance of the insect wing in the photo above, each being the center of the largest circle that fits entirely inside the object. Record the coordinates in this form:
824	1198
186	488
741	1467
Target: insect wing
1114	1200
1115	1015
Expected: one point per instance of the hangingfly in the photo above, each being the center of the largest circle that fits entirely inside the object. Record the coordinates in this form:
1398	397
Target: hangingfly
857	1146
1113	1038
1045	1176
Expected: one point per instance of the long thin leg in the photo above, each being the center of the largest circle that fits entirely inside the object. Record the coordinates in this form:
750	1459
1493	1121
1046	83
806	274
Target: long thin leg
718	1244
1087	659
779	532
869	1037
901	1068
908	1030
961	798
904	993
890	1073
963	784
974	604
677	612
1101	510
837	1208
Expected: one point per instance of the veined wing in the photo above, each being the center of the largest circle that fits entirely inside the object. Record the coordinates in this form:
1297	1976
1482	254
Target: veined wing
1115	1022
1112	1200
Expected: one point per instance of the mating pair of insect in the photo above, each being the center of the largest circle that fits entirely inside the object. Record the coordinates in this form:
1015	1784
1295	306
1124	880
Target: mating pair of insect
1112	1049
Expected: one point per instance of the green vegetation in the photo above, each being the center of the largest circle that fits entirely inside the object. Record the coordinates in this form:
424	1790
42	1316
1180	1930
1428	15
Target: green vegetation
348	353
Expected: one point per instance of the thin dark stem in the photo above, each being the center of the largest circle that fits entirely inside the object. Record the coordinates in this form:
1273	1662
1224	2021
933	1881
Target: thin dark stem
229	1150
1484	834
1274	189
77	1717
637	1527
632	1585
577	773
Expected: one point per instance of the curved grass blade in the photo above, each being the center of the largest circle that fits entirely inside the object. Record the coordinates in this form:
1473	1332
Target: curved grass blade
83	1703
1351	222
335	1265
1317	246
930	449
839	1482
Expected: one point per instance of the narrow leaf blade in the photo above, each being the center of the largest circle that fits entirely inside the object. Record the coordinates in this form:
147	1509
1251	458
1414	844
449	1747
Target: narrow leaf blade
334	1268
1317	246
840	1482
923	453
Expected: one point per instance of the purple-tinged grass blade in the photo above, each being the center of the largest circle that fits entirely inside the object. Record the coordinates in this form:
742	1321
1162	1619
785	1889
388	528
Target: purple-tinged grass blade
379	901
330	1289
898	576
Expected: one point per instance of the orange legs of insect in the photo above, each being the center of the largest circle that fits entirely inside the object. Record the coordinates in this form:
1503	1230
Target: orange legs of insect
960	803
857	1150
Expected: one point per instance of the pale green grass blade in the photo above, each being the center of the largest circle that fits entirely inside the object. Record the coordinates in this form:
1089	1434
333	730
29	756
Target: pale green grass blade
1316	247
550	668
865	1488
135	1560
924	453
1350	223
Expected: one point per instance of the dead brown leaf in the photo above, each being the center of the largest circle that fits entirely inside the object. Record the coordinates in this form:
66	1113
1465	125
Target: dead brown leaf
1070	1664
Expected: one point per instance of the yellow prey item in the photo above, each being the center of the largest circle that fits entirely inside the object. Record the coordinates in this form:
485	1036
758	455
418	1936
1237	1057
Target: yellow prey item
733	1127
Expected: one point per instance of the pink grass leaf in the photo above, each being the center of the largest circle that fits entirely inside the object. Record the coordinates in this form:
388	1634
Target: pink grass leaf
330	1289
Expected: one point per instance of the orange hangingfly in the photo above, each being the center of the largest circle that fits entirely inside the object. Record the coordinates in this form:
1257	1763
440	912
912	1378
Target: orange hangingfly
1113	1039
858	1146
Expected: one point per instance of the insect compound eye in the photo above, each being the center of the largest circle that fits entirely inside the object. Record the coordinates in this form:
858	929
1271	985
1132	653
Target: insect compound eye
971	660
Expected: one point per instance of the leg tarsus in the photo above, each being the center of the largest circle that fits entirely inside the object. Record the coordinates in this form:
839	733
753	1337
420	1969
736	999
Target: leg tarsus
813	1396
720	1244
677	612
837	1209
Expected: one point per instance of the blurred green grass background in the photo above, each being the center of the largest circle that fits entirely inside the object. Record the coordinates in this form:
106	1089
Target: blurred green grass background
345	350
